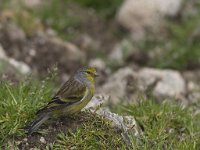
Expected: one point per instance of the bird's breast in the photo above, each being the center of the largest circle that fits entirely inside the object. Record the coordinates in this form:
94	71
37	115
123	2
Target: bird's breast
76	107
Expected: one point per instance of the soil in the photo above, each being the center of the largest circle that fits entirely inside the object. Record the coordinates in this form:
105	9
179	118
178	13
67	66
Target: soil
52	129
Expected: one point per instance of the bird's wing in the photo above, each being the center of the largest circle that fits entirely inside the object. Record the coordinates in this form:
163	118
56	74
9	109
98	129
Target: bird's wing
71	92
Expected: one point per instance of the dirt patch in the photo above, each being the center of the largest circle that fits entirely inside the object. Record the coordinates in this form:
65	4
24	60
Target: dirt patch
53	128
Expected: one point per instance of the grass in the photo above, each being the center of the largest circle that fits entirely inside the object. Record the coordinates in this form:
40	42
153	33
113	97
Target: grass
58	15
106	8
94	133
18	104
166	125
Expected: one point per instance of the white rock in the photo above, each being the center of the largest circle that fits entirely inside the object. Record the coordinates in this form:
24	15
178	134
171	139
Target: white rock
116	86
126	124
32	52
116	55
21	66
98	63
96	102
121	51
168	83
69	49
32	3
139	15
42	140
193	92
169	7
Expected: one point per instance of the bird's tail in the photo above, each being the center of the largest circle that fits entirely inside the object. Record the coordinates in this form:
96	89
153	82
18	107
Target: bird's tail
37	123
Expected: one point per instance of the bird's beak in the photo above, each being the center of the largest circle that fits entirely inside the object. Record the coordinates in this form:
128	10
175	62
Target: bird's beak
96	74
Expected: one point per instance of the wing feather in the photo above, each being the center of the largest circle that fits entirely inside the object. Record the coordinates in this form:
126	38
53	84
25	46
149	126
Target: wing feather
72	91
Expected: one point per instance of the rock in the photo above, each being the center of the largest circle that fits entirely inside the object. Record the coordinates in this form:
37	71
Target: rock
32	3
116	56
42	140
140	16
2	53
127	125
9	72
121	52
193	75
117	84
14	33
69	49
43	51
86	42
127	84
20	66
169	8
166	83
96	102
98	63
193	92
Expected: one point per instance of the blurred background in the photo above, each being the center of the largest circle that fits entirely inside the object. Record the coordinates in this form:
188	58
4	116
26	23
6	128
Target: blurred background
144	46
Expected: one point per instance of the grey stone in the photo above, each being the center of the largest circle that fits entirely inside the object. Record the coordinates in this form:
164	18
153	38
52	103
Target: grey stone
20	66
42	140
116	85
127	125
139	15
98	63
2	53
121	52
168	83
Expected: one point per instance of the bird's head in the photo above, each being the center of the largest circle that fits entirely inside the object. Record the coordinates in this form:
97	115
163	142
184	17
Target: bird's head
87	75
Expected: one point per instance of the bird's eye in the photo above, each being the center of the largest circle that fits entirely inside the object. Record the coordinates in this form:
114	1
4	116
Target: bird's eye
88	72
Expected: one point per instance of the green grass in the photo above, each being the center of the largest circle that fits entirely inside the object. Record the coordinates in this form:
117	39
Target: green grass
166	125
58	15
95	133
106	8
18	103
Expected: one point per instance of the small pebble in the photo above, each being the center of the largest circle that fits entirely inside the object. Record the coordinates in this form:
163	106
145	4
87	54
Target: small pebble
42	140
25	139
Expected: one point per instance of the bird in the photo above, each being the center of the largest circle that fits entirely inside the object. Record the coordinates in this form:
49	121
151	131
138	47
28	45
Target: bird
73	96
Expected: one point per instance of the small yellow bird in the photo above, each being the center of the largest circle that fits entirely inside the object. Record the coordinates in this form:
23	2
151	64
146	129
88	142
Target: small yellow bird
71	98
